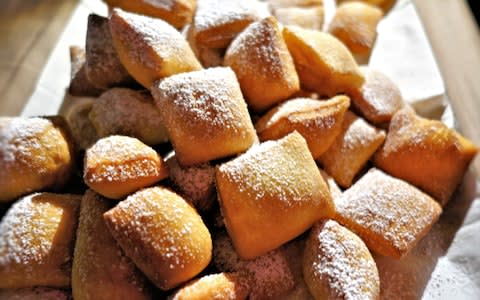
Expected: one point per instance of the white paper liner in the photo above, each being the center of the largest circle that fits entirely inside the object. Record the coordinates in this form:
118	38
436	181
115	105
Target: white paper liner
445	264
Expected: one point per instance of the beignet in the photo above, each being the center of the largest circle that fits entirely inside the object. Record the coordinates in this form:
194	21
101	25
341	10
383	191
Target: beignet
323	63
37	236
261	61
271	194
163	235
150	49
205	115
355	24
176	12
378	99
222	286
121	111
83	132
425	153
306	17
352	149
35	154
319	122
389	214
100	268
116	166
338	265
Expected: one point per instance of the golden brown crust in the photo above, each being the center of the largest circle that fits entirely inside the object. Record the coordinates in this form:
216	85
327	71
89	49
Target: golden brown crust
294	3
319	122
338	265
272	183
352	149
35	154
100	268
176	12
205	115
389	214
163	235
119	165
36	241
425	153
260	59
355	24
150	49
222	286
378	99
128	112
323	63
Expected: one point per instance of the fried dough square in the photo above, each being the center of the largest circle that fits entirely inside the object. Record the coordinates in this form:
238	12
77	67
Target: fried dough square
319	122
352	149
305	17
163	235
271	194
176	12
103	68
116	166
80	85
425	153
355	24
100	268
261	61
150	49
205	115
389	214
378	99
37	236
323	63
338	265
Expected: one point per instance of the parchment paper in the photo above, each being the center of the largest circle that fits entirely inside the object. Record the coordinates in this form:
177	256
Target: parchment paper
446	263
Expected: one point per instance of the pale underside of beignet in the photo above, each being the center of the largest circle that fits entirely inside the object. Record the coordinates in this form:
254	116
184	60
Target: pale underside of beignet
261	61
150	49
271	194
100	268
338	265
425	153
35	154
323	63
122	111
163	235
319	122
389	214
116	166
205	115
352	149
37	236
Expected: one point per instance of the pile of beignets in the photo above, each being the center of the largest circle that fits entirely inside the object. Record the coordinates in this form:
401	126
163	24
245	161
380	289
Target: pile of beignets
227	150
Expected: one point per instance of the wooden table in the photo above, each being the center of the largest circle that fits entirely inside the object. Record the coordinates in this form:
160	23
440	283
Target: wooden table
30	28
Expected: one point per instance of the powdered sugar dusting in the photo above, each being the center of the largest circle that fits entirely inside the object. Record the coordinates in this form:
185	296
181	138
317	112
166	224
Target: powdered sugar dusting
269	275
158	229
210	99
390	210
128	112
119	158
342	260
196	183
